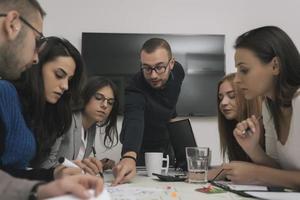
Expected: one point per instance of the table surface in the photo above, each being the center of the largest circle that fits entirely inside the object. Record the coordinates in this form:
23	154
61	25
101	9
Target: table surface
185	191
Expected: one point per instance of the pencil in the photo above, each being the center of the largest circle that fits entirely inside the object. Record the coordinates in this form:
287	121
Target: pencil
218	174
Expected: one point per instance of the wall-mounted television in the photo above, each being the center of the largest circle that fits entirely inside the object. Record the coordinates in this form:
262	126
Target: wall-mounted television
116	56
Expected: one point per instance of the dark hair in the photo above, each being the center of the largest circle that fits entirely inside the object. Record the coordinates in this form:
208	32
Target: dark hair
49	121
153	44
270	42
245	108
26	8
92	86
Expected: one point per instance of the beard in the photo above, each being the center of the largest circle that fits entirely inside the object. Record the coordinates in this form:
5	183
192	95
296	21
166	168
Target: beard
11	62
162	81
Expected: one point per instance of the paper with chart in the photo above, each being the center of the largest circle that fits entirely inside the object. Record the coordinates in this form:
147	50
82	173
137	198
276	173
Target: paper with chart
129	192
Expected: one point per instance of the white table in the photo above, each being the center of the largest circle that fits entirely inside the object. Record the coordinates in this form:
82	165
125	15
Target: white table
185	191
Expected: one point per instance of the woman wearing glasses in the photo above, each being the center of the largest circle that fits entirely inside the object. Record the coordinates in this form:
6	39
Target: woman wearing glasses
45	91
99	108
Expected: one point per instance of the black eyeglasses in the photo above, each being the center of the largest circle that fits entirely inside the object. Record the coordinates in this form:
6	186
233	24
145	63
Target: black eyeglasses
101	98
39	41
159	68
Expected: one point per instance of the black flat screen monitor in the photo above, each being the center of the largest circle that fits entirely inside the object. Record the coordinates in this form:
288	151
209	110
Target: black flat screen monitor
116	56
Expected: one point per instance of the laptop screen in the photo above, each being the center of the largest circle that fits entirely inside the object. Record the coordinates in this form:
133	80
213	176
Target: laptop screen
181	136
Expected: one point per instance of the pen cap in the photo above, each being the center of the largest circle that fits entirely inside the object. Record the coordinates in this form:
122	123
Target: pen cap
61	160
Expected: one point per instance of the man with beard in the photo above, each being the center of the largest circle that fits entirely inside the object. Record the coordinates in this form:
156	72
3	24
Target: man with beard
20	39
150	103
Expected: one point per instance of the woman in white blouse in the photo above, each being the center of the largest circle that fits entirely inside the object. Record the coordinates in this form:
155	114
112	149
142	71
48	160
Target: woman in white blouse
268	65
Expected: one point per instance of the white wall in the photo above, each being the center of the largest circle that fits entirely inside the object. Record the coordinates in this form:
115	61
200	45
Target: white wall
69	18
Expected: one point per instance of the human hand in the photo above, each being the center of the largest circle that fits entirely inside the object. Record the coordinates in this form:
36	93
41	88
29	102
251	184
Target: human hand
90	165
77	185
61	171
108	163
216	173
124	171
241	172
247	133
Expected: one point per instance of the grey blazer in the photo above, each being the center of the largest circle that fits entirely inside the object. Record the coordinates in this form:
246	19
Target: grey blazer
14	188
69	144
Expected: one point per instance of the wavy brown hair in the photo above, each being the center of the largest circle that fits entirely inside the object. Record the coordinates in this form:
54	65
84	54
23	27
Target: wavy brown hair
245	108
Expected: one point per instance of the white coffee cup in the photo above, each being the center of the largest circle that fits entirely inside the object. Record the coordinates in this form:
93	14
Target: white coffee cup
154	163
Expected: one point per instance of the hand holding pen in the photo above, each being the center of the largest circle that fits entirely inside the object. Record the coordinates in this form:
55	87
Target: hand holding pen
251	125
100	173
66	168
248	133
218	174
88	165
248	126
106	162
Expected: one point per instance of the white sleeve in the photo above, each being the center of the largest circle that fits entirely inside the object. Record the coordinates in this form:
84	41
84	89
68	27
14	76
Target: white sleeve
270	133
14	188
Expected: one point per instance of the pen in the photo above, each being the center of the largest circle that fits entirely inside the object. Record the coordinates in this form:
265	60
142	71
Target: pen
247	130
94	153
212	180
67	163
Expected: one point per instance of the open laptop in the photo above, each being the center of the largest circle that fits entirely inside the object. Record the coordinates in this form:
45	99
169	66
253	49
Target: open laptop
181	136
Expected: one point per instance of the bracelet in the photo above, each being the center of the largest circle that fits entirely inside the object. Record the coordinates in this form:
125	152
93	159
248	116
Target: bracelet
131	157
33	191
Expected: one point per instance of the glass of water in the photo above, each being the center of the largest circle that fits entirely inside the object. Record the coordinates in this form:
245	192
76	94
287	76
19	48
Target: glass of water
197	161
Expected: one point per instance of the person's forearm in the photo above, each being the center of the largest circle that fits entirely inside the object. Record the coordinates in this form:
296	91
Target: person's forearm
133	123
14	188
277	177
33	174
258	156
132	132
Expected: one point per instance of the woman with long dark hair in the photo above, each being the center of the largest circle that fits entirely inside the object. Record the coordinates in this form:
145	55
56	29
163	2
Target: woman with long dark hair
46	92
100	103
268	64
